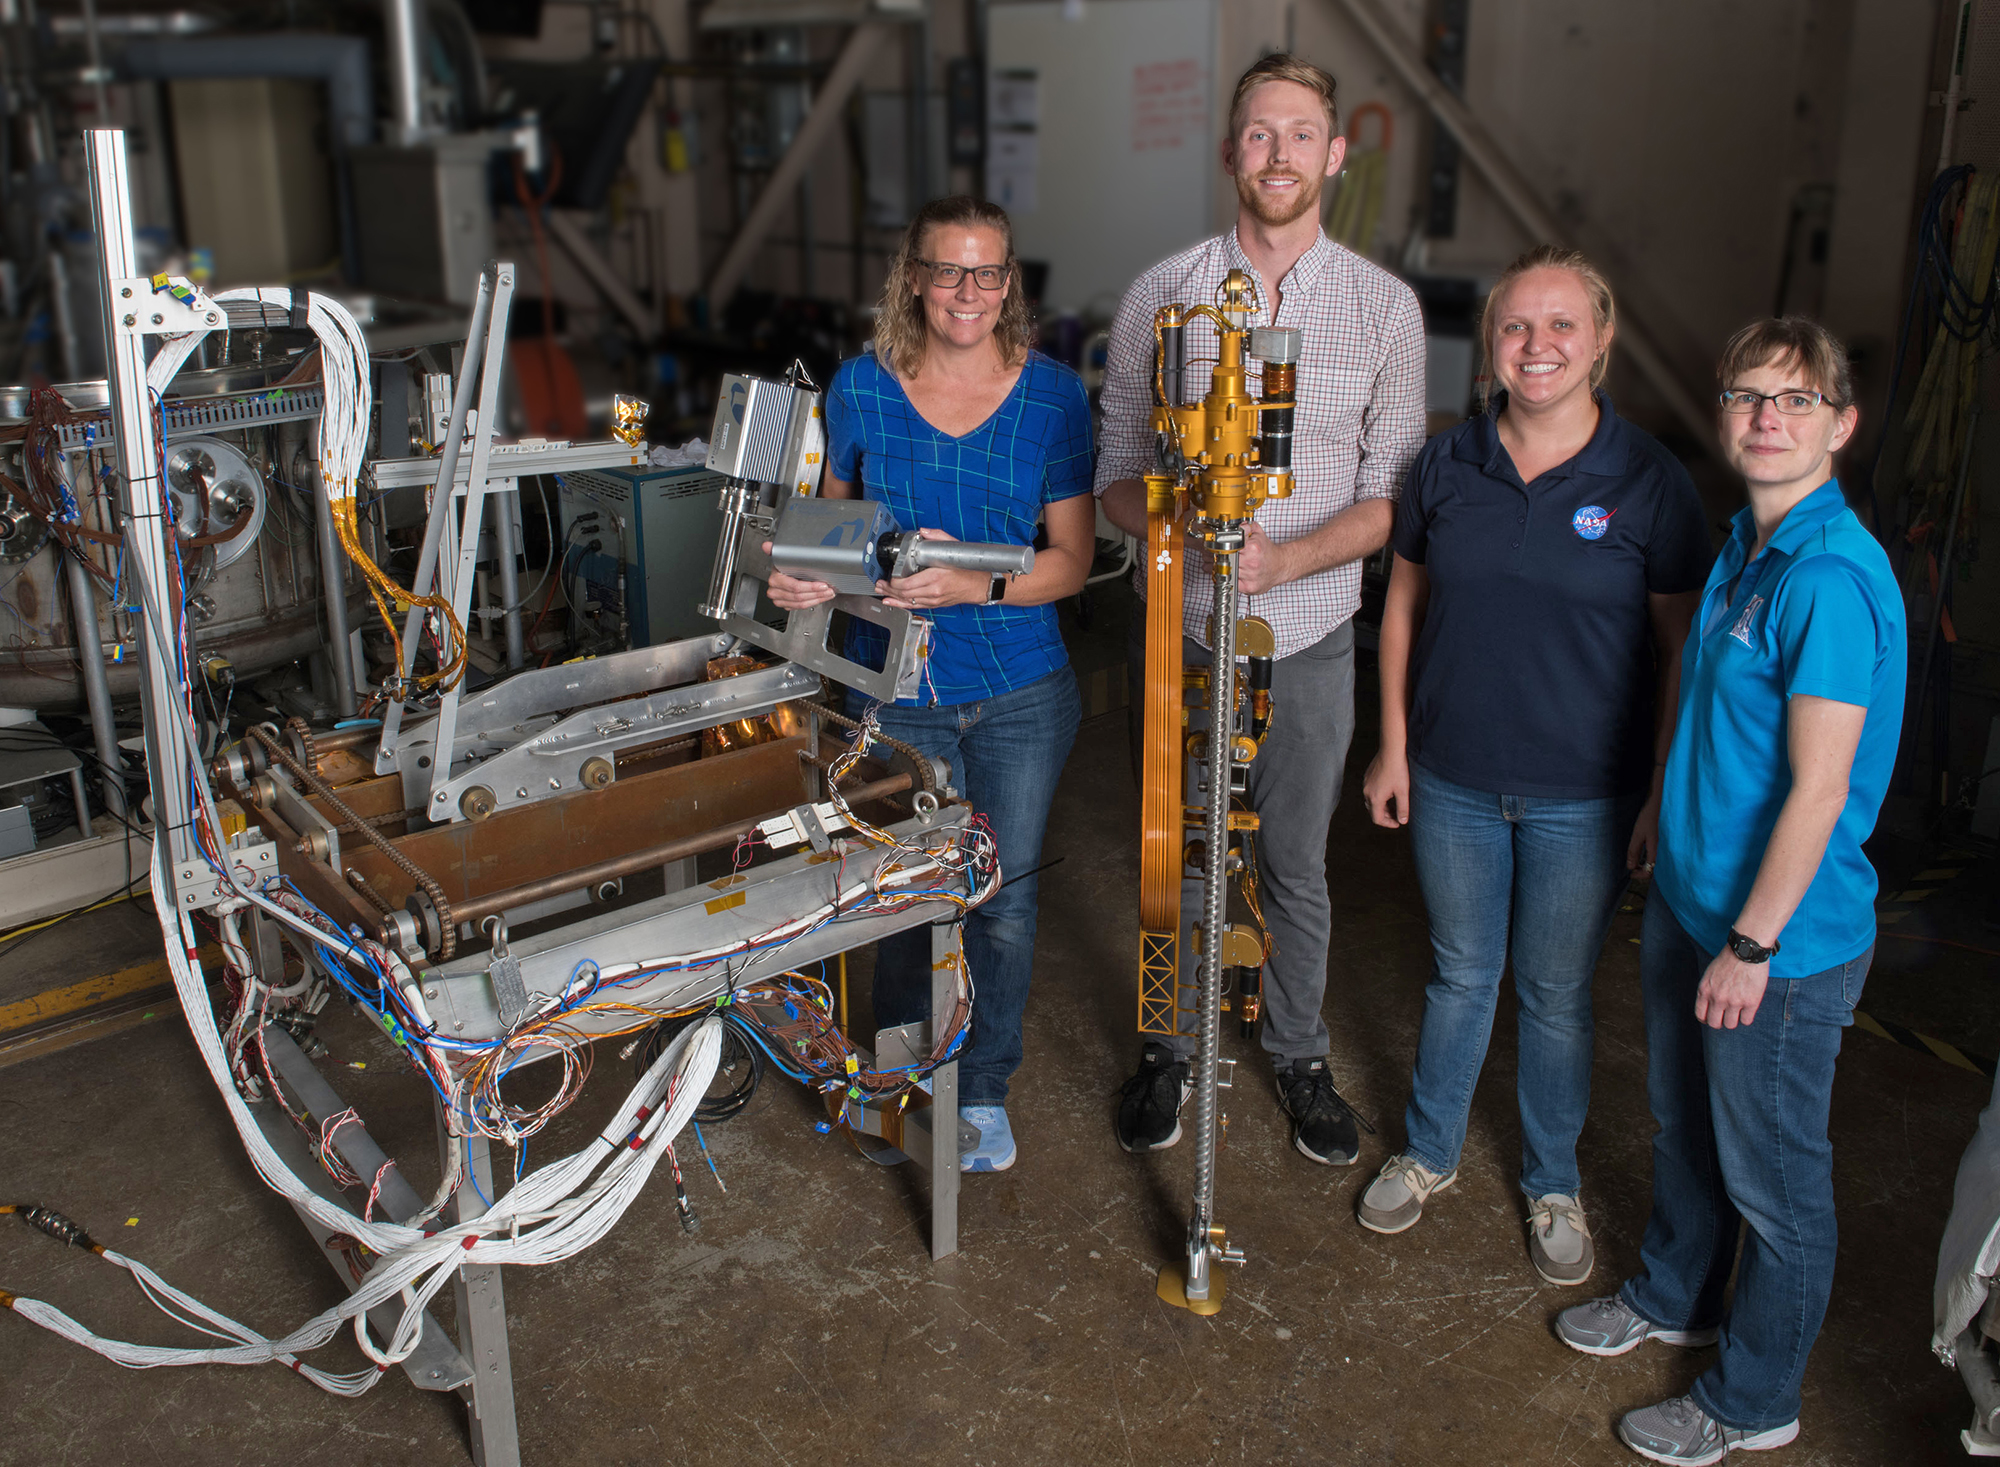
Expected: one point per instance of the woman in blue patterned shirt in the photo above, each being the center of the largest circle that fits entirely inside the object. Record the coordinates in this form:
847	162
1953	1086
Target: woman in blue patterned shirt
968	434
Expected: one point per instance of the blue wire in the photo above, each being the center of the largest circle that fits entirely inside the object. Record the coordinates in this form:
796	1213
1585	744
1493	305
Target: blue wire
472	1175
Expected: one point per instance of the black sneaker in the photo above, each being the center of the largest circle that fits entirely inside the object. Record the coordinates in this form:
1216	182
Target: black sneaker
1323	1127
1149	1107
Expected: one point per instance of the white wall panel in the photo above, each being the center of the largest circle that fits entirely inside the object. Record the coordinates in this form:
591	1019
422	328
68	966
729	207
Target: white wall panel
1127	127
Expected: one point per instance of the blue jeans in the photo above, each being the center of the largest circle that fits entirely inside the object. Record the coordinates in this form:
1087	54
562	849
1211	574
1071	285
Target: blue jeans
1742	1139
1550	872
1006	754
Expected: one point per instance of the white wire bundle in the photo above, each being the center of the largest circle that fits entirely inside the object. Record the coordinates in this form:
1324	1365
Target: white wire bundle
553	1213
343	426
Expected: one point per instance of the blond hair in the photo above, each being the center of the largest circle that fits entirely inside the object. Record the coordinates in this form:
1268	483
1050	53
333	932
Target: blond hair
901	332
1603	308
1816	351
1284	66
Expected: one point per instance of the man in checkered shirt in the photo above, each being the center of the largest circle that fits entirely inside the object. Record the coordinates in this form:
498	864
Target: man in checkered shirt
1359	423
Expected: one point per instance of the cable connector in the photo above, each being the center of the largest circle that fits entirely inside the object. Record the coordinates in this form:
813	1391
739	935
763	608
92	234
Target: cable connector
817	824
62	1229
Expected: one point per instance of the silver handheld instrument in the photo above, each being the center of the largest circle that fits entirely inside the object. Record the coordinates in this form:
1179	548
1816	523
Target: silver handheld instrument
906	554
851	544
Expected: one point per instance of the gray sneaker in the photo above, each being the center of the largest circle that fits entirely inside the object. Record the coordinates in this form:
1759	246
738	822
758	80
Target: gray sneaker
1559	1239
1395	1199
1680	1432
1608	1327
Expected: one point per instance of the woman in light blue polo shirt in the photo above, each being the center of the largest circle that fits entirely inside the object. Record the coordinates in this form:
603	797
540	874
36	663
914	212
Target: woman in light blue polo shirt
1761	924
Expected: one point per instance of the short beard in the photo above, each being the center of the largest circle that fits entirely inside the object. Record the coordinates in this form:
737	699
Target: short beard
1268	211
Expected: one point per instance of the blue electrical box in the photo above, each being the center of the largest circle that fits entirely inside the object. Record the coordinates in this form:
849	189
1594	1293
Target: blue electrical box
654	533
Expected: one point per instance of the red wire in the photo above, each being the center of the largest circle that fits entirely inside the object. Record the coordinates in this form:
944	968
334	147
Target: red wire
533	204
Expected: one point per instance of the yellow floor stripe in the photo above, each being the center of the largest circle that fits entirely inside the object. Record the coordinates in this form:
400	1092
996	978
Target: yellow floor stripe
1936	875
54	1038
1916	894
1949	1053
59	1003
1885	918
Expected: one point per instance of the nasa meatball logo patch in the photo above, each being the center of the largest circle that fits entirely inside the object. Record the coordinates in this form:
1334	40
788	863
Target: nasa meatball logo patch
1592	521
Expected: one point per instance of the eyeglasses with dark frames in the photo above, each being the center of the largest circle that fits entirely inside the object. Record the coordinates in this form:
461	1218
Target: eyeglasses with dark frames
1793	402
946	276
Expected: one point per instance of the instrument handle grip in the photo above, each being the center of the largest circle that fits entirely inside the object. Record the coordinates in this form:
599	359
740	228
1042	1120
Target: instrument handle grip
913	553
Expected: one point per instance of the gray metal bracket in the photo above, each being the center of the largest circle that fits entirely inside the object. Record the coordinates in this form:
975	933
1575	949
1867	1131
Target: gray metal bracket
320	835
551	762
934	1147
196	885
804	637
529	701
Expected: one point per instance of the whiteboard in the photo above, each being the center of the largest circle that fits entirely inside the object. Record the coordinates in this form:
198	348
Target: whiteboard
1115	174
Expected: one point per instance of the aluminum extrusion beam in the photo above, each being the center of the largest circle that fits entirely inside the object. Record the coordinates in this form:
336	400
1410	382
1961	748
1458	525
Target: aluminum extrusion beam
509	461
141	494
428	567
482	1313
1519	198
947	953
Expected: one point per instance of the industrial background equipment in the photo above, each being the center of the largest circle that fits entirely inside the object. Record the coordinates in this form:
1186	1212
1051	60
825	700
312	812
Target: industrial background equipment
1218	460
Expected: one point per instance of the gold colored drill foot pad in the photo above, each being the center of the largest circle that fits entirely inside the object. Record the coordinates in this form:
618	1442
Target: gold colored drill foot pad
1172	1287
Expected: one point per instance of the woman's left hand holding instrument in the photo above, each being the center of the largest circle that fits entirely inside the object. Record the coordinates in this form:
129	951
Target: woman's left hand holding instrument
936	586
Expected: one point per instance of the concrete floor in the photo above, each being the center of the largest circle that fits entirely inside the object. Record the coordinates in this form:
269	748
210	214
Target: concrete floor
804	1323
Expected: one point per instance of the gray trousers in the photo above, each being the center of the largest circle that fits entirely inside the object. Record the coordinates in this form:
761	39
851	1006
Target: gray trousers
1294	786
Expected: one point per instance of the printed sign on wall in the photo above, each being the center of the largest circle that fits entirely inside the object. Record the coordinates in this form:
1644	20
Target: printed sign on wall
1169	104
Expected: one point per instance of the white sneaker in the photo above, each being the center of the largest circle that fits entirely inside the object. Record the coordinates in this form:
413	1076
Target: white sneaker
1395	1199
1559	1239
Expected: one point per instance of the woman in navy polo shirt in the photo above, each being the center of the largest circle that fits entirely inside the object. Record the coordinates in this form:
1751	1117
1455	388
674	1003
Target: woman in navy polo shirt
967	434
1761	924
1547	555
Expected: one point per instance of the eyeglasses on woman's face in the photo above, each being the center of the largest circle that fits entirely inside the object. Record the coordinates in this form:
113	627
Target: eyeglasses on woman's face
946	276
1793	402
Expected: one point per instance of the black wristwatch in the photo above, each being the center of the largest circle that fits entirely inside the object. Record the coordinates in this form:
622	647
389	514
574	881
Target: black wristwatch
997	592
1749	949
